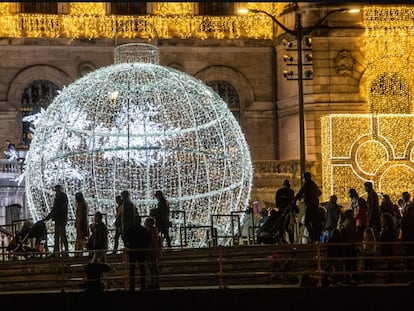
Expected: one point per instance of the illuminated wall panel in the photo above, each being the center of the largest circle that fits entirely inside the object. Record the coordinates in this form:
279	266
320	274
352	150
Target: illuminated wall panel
361	147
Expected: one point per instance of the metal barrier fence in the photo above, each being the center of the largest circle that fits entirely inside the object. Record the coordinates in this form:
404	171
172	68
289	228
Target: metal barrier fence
216	267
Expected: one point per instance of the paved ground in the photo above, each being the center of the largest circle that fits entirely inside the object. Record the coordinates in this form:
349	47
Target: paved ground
367	298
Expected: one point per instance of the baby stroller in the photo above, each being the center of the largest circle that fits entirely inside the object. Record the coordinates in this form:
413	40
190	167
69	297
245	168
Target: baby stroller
20	244
273	230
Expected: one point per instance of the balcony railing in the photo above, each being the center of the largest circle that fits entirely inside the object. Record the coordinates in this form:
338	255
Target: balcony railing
10	168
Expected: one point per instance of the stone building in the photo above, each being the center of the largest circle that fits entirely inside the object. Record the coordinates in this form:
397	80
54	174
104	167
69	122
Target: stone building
245	58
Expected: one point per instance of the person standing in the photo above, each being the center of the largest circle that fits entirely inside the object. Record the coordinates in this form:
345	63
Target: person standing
284	203
348	233
155	250
387	239
374	219
162	216
81	222
369	249
353	195
310	193
118	223
137	240
361	218
10	151
59	214
284	196
128	212
407	234
98	241
333	210
405	203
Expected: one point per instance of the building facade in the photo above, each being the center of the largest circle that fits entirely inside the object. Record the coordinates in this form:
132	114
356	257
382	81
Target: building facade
46	46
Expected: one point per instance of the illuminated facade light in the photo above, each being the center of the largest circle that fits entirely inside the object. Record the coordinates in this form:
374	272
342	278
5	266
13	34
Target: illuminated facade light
361	147
376	146
140	127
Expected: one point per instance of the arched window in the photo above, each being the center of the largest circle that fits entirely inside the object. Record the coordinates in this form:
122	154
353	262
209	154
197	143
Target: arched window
229	94
38	94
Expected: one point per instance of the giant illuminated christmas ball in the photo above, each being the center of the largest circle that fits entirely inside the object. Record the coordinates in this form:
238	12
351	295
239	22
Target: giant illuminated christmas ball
142	127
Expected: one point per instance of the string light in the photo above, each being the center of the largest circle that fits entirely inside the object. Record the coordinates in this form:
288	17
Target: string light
87	8
376	146
89	20
388	49
360	147
173	8
140	127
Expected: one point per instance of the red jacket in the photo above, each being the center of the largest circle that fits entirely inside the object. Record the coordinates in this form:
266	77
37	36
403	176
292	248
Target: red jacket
361	216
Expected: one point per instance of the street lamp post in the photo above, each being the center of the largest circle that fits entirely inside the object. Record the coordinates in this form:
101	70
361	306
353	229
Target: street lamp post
299	33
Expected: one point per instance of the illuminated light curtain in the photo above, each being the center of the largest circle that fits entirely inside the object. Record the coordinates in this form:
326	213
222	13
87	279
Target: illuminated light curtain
388	48
82	22
376	146
6	8
141	127
173	8
87	8
361	147
269	7
9	21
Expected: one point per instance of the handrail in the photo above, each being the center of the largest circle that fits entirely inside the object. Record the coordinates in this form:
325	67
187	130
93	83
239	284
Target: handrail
268	265
10	167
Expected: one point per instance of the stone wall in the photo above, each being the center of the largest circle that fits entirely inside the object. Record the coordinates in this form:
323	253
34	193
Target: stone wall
269	103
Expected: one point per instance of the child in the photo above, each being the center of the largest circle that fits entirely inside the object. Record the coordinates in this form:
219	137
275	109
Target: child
154	253
98	241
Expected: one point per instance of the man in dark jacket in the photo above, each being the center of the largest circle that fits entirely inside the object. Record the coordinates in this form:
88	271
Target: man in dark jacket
310	193
137	239
374	219
333	210
59	214
284	202
128	212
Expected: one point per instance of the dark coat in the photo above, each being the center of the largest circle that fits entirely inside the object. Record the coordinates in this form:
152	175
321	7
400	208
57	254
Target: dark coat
137	239
99	237
162	215
59	212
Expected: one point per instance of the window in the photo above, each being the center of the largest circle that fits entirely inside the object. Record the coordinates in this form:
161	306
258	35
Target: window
229	94
216	8
39	7
129	8
38	94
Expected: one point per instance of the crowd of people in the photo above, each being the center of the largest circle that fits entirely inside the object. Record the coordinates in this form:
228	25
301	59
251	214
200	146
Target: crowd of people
365	228
358	226
143	243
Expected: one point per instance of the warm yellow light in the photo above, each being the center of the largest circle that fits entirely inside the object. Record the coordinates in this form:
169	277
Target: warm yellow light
87	8
243	11
388	51
361	147
83	22
173	8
